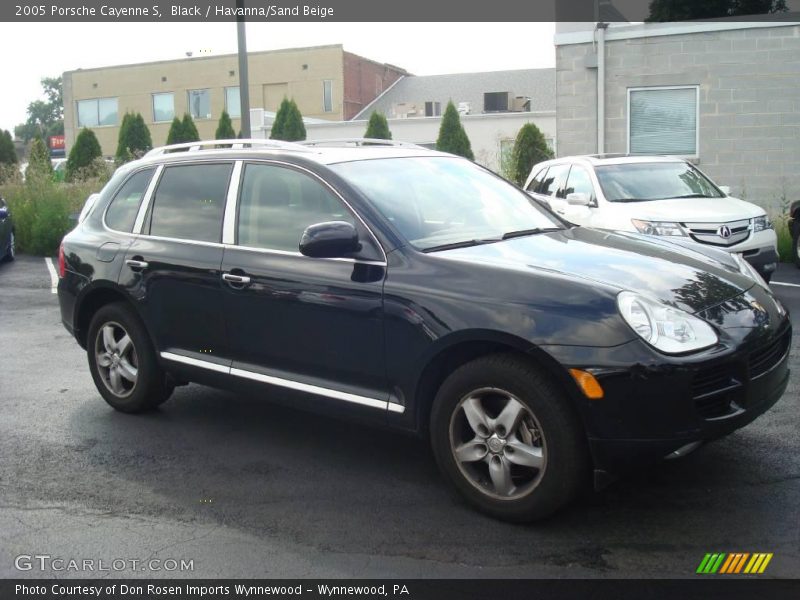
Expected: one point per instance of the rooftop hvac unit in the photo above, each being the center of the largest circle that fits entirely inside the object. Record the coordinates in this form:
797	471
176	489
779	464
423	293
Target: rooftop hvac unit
464	108
521	104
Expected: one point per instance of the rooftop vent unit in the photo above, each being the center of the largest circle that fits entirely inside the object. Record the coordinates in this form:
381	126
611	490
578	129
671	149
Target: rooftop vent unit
464	108
521	104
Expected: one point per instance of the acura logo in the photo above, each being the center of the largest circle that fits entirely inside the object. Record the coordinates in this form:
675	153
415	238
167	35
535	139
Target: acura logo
724	232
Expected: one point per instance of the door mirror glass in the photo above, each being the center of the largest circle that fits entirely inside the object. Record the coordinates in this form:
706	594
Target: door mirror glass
725	189
332	239
578	199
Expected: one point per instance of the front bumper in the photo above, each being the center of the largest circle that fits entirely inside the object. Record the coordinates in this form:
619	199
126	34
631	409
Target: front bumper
764	260
655	404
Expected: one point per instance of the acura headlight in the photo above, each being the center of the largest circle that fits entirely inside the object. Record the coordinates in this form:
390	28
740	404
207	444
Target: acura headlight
670	330
761	223
747	269
658	228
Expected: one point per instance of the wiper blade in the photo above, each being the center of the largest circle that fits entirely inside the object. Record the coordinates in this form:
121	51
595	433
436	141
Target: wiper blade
463	244
692	196
524	232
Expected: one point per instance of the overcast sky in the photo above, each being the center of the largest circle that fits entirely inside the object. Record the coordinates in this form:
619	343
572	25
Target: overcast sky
31	51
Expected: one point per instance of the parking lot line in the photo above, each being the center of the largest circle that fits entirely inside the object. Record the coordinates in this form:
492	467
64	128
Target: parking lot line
797	285
53	274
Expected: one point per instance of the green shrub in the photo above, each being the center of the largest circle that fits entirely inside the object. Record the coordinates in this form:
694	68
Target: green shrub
42	210
452	137
190	133
530	148
8	153
83	157
134	138
288	124
225	129
378	127
785	246
39	164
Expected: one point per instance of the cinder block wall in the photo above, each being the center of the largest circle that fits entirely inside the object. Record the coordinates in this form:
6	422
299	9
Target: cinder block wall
749	102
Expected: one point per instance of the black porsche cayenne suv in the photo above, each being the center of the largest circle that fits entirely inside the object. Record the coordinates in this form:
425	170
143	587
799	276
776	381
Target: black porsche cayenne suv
419	291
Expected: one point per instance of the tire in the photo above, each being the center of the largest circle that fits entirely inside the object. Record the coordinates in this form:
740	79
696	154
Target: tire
139	384
11	250
546	432
796	246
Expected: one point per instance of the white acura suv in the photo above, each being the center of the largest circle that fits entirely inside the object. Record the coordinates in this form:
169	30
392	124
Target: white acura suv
655	195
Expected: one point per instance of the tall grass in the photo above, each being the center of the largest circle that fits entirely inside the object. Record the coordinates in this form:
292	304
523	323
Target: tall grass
41	209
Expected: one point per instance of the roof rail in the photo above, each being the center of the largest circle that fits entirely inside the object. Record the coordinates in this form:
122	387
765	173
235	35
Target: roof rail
360	142
236	143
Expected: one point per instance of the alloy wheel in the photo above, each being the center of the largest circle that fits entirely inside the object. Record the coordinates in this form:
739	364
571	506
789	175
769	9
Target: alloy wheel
497	444
117	363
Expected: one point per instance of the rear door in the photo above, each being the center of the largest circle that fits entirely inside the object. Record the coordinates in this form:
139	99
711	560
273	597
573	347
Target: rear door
172	268
296	321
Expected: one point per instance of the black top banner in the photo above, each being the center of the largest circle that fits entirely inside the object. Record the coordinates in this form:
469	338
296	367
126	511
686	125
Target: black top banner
388	10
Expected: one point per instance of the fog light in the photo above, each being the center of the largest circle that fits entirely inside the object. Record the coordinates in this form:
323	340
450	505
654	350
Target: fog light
588	384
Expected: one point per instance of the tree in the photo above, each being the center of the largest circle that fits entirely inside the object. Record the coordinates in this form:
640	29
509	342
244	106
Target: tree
452	137
278	124
83	155
45	117
225	129
190	133
134	138
175	135
378	127
39	164
684	10
530	148
8	153
288	124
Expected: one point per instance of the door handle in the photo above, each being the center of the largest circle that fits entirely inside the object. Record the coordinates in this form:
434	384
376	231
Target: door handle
136	265
235	279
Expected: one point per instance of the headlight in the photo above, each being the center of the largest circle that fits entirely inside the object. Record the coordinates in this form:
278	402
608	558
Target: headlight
657	227
747	269
670	330
761	223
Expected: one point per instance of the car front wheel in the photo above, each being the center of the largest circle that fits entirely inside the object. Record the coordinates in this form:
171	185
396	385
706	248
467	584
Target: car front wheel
505	438
796	246
123	362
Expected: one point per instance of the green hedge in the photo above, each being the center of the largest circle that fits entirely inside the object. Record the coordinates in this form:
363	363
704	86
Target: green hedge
41	211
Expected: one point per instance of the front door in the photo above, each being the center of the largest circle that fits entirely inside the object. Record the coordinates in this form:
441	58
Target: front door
308	323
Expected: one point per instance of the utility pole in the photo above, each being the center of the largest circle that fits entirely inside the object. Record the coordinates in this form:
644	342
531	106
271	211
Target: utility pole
244	79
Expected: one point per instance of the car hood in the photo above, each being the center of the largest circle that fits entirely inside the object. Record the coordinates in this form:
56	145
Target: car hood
679	276
692	210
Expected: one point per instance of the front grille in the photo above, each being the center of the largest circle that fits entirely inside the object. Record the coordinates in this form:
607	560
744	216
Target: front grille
713	390
709	233
762	360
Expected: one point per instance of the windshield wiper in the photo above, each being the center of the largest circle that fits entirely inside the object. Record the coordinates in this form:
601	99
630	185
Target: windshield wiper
463	244
524	232
693	196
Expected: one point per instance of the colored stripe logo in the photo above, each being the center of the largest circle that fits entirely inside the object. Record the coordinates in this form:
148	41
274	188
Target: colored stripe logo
734	563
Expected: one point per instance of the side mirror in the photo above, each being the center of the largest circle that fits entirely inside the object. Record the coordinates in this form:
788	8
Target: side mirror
725	189
331	239
578	199
3	213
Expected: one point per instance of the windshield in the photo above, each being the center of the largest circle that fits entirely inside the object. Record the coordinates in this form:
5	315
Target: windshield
437	201
654	181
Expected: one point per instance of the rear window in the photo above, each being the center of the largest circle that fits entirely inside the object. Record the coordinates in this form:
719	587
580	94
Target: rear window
121	213
190	201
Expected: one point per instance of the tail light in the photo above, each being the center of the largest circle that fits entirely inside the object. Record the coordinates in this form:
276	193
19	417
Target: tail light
62	265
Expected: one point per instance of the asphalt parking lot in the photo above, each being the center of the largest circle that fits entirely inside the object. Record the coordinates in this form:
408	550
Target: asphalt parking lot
245	488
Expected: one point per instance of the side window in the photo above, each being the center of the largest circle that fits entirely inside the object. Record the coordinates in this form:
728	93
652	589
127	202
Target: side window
579	182
536	182
554	181
190	201
277	204
121	213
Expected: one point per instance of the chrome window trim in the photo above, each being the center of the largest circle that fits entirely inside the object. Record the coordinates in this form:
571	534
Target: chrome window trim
145	200
325	184
361	261
287	383
231	202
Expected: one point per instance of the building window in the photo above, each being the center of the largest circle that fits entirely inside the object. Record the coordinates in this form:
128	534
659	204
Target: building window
163	107
200	104
233	102
663	120
433	109
327	95
99	112
495	102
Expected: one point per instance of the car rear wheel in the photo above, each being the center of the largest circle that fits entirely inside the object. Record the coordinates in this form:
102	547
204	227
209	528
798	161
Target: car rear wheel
123	362
505	438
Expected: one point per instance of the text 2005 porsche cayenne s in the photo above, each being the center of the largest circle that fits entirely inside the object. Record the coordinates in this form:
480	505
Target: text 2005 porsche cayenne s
420	291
